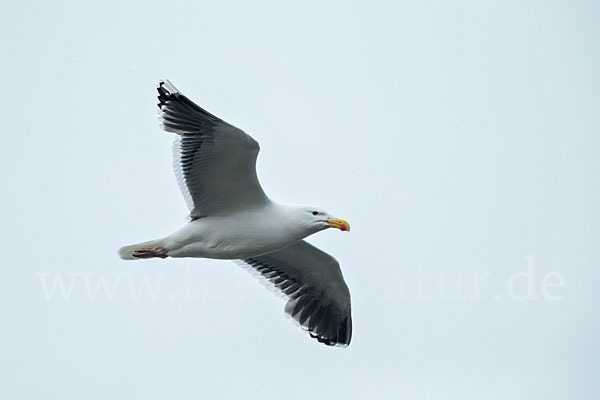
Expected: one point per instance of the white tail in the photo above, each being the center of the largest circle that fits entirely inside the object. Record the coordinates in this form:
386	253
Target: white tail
126	252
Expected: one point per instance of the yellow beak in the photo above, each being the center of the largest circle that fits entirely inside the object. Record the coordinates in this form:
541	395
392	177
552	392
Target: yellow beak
339	224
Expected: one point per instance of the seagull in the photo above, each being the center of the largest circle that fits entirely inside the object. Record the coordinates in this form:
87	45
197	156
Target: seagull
232	218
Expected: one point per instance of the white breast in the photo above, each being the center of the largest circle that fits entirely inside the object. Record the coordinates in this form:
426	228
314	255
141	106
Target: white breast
241	235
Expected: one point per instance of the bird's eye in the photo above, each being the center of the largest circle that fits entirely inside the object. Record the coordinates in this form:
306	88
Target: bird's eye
315	213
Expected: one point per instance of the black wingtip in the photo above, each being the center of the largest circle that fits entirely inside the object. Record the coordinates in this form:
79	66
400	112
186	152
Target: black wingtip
166	85
182	108
340	338
165	91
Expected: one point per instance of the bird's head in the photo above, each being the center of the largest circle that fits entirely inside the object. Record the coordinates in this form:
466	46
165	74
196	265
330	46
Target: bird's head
319	219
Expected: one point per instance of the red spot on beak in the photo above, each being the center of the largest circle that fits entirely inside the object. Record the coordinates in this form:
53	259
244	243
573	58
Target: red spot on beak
343	228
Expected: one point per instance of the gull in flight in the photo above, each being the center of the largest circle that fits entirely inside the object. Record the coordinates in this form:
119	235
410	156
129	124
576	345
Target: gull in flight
232	218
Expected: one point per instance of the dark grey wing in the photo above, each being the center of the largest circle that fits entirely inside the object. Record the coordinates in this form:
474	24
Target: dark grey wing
318	297
214	162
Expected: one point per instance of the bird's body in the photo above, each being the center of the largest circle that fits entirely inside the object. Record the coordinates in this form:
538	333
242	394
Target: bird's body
240	235
232	218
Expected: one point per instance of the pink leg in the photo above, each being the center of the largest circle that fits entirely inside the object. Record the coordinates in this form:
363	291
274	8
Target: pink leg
151	252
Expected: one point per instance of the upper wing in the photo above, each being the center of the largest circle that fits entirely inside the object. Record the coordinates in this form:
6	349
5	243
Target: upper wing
318	297
214	162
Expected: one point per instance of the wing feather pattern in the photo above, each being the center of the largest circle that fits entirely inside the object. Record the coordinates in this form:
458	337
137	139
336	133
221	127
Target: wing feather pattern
318	298
214	162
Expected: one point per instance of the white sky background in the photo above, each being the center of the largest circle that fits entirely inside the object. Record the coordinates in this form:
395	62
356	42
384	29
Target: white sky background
456	137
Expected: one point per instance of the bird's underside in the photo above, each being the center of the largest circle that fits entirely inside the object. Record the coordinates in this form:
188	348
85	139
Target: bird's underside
232	218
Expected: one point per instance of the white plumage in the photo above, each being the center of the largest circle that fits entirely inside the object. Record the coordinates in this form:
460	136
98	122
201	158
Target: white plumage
232	218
